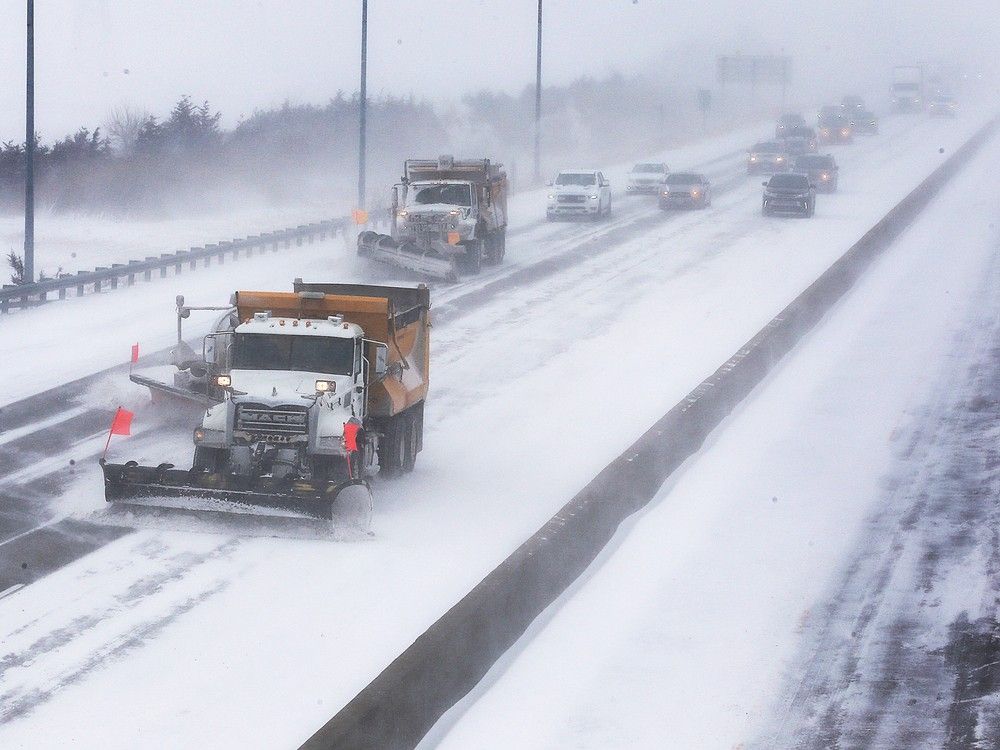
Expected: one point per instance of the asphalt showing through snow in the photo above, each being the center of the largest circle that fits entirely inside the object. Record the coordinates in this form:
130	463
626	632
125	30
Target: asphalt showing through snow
888	665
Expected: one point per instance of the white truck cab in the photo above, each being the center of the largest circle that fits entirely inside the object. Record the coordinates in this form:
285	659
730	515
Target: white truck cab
581	193
290	382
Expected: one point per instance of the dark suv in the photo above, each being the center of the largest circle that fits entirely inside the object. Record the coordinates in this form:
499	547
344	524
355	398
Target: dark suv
800	140
821	169
835	129
786	123
865	122
767	157
686	190
789	194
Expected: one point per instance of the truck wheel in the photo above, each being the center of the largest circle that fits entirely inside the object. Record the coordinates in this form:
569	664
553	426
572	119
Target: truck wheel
212	460
412	441
496	246
392	449
472	261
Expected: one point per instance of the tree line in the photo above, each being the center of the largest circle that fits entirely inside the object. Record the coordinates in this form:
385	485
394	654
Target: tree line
138	164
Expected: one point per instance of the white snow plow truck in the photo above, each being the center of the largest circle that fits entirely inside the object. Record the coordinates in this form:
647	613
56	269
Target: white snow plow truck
321	388
448	216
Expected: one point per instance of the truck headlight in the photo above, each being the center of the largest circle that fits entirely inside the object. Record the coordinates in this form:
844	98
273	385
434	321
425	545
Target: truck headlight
551	197
223	381
593	197
215	438
326	386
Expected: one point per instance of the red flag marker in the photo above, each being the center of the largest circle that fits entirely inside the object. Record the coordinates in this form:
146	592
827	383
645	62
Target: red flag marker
135	353
351	436
351	430
120	425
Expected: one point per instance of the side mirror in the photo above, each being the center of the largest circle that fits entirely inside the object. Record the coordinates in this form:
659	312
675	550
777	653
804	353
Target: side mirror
381	358
605	183
208	349
764	183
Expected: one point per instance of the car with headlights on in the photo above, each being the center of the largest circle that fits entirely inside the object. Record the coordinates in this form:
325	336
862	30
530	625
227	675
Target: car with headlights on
821	169
865	123
686	190
851	105
800	140
647	177
835	129
786	123
789	194
942	105
579	193
767	157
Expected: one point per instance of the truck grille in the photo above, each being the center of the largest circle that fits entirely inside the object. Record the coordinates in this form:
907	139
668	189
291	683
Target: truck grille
572	198
279	420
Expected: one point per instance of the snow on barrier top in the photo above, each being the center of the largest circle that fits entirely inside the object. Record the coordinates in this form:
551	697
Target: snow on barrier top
402	704
13	296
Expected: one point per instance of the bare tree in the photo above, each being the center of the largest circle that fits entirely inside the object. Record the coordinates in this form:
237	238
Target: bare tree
123	125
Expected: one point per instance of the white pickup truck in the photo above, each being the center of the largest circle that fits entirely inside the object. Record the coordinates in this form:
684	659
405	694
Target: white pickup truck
579	193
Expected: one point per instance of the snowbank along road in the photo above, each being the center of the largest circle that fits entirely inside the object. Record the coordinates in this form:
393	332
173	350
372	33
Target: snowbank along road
179	611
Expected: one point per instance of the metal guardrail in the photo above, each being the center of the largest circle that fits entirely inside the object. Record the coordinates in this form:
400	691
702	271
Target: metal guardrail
403	703
20	296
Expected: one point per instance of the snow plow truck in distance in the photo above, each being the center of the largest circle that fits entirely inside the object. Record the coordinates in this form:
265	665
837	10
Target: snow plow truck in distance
320	389
448	216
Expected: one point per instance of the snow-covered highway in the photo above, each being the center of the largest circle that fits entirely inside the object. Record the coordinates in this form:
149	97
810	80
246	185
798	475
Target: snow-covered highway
654	302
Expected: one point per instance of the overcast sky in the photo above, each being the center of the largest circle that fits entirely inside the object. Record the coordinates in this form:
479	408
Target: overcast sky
242	54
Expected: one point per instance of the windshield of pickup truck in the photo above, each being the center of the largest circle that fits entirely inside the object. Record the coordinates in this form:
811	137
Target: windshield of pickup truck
318	354
452	195
576	178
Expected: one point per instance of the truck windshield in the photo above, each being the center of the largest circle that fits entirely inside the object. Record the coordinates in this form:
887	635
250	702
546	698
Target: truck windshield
576	178
319	354
452	195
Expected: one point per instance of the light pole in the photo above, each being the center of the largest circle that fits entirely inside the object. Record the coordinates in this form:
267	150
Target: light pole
364	104
538	96
29	153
